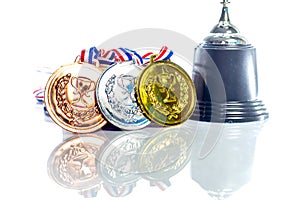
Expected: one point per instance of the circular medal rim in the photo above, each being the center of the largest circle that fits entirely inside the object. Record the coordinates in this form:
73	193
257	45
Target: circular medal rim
107	149
167	171
61	148
190	83
107	115
54	116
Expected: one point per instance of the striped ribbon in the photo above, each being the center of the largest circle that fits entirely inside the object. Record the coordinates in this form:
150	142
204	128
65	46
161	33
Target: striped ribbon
107	58
164	54
162	185
39	95
118	190
43	75
103	58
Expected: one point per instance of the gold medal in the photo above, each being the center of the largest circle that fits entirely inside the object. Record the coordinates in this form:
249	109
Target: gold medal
70	98
165	93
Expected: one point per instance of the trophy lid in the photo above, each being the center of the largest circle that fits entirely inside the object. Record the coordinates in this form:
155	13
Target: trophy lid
225	33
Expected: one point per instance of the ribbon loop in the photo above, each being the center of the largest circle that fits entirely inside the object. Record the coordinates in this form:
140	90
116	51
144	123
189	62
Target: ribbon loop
107	58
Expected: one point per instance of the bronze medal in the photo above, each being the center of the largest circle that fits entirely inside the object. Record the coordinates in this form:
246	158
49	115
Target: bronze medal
70	98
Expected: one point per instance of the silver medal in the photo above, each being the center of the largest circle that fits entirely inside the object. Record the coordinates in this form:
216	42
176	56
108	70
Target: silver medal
115	95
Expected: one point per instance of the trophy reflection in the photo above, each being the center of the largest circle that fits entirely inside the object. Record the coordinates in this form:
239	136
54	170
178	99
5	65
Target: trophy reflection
222	159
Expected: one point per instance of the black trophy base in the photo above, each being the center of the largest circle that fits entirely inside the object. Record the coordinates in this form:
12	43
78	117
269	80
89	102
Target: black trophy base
230	112
227	85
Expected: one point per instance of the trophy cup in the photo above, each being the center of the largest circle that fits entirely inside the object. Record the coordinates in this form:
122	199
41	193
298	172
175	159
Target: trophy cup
225	76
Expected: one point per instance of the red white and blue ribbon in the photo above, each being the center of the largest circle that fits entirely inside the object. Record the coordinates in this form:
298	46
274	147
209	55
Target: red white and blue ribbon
118	190
164	54
97	57
39	95
43	75
106	58
162	185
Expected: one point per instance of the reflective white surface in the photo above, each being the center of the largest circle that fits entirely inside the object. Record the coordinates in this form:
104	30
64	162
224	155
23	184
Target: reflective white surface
38	33
246	160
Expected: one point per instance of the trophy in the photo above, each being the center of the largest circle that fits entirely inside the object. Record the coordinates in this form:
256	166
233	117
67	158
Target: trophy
225	76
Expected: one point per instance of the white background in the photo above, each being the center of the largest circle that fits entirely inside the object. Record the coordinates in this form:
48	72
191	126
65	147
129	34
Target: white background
50	33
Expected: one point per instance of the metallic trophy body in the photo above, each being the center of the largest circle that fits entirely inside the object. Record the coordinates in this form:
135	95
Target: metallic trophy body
225	76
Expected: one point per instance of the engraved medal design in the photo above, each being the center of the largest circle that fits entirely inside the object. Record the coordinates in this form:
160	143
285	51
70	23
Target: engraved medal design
118	162
70	98
116	96
165	93
73	163
166	154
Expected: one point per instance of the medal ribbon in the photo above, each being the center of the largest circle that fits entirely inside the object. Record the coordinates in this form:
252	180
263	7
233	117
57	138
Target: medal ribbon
118	190
164	54
107	58
44	73
39	95
163	185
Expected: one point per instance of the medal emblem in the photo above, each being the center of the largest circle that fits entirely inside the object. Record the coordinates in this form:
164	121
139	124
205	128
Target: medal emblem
118	161
73	164
70	98
165	93
164	155
116	96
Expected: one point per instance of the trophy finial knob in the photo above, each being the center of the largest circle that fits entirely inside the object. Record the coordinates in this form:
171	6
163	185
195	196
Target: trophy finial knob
225	2
224	19
225	33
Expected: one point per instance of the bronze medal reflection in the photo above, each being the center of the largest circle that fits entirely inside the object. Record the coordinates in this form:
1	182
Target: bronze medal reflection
70	98
73	164
165	93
